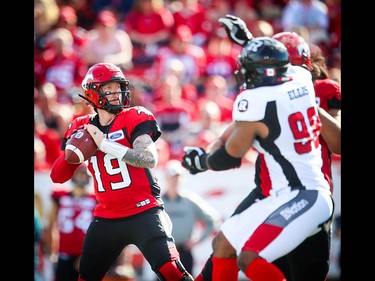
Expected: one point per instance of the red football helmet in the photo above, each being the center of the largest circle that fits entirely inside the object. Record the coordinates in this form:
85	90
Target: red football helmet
98	75
298	48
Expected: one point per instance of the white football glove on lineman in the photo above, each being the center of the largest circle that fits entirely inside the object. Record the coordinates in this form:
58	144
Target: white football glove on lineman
194	159
236	29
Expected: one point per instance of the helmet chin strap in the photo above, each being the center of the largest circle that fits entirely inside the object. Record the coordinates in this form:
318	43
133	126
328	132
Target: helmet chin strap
91	103
95	107
115	109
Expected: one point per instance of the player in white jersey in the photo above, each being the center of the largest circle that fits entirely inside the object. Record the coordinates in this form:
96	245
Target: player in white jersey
275	113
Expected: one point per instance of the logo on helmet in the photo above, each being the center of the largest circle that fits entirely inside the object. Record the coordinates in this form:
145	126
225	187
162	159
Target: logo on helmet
85	81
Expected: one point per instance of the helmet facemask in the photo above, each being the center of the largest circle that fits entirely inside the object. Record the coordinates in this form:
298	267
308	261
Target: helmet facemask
105	104
240	75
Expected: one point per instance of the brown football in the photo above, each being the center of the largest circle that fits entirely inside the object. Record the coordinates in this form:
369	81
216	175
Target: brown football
79	147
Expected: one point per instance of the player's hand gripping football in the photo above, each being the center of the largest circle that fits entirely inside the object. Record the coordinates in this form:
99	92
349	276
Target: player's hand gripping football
96	134
236	29
194	159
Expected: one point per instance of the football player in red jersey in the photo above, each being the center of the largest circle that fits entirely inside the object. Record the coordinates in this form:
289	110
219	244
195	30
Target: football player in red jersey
130	209
72	212
310	260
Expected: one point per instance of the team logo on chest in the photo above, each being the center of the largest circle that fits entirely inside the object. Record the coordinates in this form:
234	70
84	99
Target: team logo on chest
118	135
243	105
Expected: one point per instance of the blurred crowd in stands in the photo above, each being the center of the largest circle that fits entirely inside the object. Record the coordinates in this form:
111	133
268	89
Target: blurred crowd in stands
174	52
176	55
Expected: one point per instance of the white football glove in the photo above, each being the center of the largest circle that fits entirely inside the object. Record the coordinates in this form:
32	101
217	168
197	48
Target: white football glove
236	29
194	159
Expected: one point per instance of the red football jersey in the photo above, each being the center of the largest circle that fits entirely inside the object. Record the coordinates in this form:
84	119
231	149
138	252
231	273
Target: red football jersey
74	217
122	190
328	95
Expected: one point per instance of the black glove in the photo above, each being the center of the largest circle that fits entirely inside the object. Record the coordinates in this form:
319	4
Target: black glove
194	159
236	29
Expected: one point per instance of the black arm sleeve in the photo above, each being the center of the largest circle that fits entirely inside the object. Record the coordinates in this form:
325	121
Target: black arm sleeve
221	160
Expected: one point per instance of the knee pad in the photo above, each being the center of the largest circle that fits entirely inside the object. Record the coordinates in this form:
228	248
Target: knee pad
173	271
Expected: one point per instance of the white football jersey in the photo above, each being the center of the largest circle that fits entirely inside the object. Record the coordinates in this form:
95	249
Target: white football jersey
292	150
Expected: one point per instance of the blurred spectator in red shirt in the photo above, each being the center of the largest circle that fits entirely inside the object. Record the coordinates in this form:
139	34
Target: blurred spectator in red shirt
174	115
244	9
55	115
334	14
68	19
222	56
192	14
107	43
216	9
207	128
60	65
216	89
149	25
84	9
180	47
176	68
140	93
47	143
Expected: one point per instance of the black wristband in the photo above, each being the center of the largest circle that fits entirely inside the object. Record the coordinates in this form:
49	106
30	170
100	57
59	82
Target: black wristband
203	161
221	160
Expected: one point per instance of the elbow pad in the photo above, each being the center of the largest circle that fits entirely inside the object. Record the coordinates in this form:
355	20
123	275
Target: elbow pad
220	160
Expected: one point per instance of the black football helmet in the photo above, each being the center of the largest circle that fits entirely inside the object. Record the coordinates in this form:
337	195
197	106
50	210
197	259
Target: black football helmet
263	62
98	75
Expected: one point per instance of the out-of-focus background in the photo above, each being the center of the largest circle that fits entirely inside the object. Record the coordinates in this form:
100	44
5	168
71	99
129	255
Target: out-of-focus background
180	64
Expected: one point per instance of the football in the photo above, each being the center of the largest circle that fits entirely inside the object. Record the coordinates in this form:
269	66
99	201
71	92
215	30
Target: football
80	147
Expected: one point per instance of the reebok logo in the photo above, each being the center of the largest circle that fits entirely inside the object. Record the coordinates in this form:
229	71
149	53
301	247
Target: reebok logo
288	212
